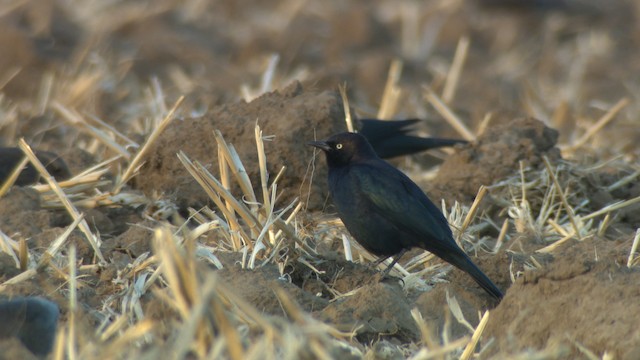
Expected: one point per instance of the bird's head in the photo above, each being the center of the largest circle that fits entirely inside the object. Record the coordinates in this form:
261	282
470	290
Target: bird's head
345	148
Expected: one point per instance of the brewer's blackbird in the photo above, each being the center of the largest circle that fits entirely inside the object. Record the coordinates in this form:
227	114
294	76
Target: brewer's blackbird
385	211
391	138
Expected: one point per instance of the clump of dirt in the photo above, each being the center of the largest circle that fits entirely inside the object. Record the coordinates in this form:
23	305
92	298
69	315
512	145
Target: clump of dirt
378	309
333	274
585	296
495	155
293	115
12	348
435	311
20	212
257	287
135	241
471	298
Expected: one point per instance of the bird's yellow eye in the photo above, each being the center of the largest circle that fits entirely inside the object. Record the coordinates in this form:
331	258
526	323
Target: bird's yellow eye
338	146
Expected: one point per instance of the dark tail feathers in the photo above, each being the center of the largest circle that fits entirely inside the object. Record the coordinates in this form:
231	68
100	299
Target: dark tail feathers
464	263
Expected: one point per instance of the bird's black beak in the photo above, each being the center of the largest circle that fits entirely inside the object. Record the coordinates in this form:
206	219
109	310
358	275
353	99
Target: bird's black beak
320	145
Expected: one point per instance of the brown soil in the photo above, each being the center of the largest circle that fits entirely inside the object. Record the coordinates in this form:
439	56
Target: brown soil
582	297
293	116
496	155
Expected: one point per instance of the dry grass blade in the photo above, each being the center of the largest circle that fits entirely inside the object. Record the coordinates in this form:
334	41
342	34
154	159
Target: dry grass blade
318	330
291	216
26	275
8	183
8	245
58	348
84	227
262	162
23	254
634	248
108	330
346	108
225	179
238	170
85	178
130	335
177	269
425	332
563	198
115	132
346	246
613	207
554	245
433	349
213	188
468	351
472	212
484	124
44	93
448	115
57	244
237	206
441	351
137	160
389	104
454	306
266	80
78	122
624	181
291	233
73	305
193	327
11	72
604	120
82	189
584	350
501	236
234	344
453	76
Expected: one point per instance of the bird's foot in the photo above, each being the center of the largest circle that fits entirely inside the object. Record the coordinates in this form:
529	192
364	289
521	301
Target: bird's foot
384	277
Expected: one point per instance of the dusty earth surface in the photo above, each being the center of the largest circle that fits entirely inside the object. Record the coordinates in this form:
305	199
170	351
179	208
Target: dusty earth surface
92	81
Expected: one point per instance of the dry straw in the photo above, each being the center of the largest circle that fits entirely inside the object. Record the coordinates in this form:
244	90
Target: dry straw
71	209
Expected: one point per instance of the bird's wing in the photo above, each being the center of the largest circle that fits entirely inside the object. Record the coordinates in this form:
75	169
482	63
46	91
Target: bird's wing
398	199
403	144
380	130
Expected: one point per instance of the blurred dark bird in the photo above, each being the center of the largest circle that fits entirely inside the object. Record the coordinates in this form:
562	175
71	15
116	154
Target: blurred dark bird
385	211
10	157
33	320
391	138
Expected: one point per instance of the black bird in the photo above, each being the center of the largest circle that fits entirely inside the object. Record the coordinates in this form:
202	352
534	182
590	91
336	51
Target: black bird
33	320
385	211
10	157
391	138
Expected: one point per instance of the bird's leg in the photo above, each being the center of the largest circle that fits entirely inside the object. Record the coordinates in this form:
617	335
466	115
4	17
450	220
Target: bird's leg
380	260
395	260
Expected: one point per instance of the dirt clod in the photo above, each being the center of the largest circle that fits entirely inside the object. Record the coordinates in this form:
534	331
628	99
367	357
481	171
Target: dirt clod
495	155
293	115
376	310
575	299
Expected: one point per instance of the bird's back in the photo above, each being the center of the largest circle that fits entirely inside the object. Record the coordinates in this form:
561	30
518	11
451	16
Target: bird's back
375	200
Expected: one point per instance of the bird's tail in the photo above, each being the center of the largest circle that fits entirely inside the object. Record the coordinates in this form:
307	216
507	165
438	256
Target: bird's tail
464	263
